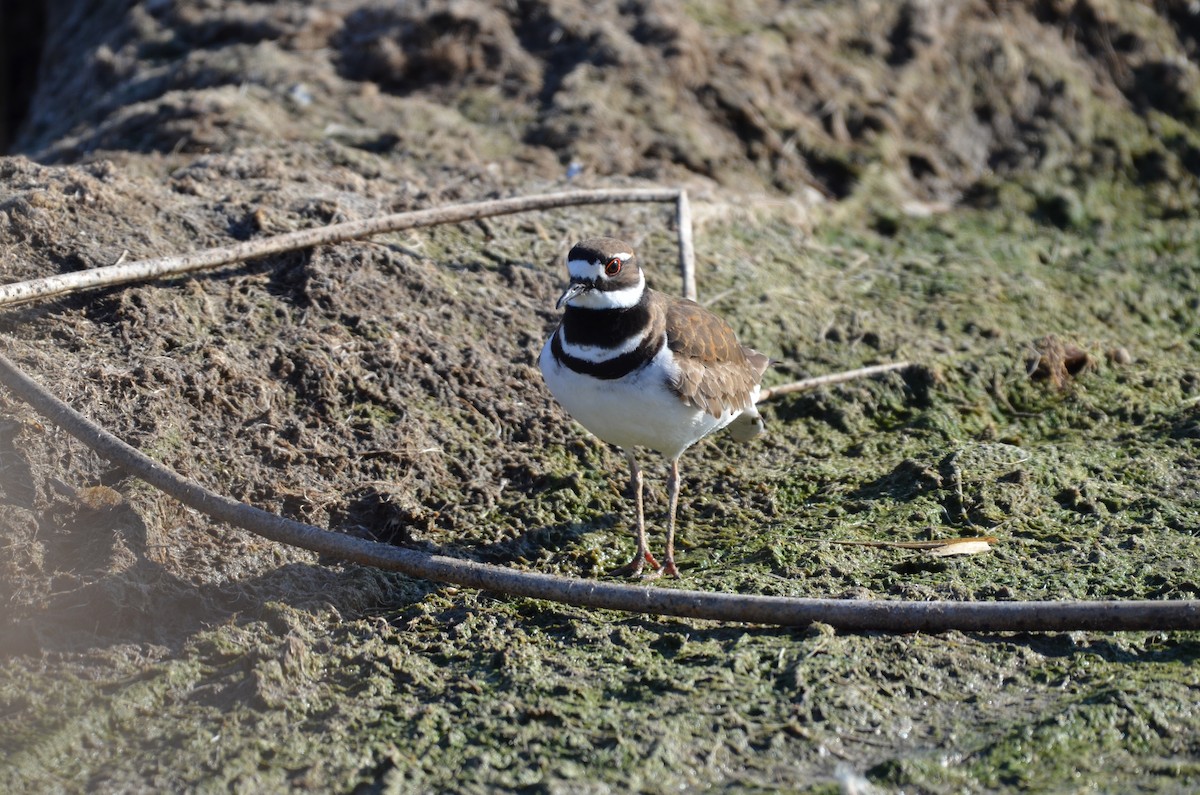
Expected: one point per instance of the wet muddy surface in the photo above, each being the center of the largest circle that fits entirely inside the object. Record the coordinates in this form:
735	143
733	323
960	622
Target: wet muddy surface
1005	198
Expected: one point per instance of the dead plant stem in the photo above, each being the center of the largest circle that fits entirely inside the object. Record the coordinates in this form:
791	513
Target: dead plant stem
826	380
161	267
847	614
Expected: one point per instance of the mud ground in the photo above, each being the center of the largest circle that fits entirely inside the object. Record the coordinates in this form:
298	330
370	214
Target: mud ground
978	188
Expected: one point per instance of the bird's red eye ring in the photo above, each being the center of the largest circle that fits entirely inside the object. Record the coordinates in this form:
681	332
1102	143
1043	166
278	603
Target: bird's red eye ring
613	267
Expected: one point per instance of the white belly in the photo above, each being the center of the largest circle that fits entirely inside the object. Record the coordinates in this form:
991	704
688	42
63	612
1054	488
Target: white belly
638	410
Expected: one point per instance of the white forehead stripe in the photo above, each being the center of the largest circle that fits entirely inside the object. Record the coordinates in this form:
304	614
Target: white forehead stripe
582	269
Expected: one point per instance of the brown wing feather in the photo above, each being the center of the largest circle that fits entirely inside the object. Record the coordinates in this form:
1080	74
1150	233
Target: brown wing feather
716	371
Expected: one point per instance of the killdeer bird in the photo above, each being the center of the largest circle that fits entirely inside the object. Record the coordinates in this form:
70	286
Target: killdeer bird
640	368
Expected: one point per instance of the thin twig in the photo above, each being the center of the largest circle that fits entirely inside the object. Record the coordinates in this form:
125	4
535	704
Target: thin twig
687	252
832	378
918	545
849	614
125	273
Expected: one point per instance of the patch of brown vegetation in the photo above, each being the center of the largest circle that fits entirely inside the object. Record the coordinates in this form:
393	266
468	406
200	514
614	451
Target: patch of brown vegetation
1058	362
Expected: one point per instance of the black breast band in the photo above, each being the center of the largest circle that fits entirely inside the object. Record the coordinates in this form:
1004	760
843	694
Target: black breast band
608	369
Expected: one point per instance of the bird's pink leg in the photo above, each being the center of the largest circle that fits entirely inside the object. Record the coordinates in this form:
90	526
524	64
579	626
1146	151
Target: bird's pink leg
640	558
668	567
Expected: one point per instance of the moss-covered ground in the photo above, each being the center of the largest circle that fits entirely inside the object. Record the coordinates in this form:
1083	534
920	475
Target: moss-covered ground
348	680
1010	203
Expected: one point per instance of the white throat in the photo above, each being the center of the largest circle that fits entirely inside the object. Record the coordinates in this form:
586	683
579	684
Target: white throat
611	299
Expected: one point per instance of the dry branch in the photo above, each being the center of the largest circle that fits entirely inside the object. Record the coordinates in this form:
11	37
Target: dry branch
832	378
687	252
891	616
161	267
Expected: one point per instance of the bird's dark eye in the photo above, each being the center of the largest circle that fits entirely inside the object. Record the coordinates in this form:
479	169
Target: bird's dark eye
613	267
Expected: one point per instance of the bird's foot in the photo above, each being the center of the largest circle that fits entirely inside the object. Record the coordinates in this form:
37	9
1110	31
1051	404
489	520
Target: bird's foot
634	567
666	570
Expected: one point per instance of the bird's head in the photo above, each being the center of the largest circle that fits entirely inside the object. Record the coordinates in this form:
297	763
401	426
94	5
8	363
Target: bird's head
604	275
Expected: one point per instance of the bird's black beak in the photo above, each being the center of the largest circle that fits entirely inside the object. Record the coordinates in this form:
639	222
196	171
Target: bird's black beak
574	289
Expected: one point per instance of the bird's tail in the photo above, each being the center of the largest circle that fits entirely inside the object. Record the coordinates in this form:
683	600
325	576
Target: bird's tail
746	425
750	423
